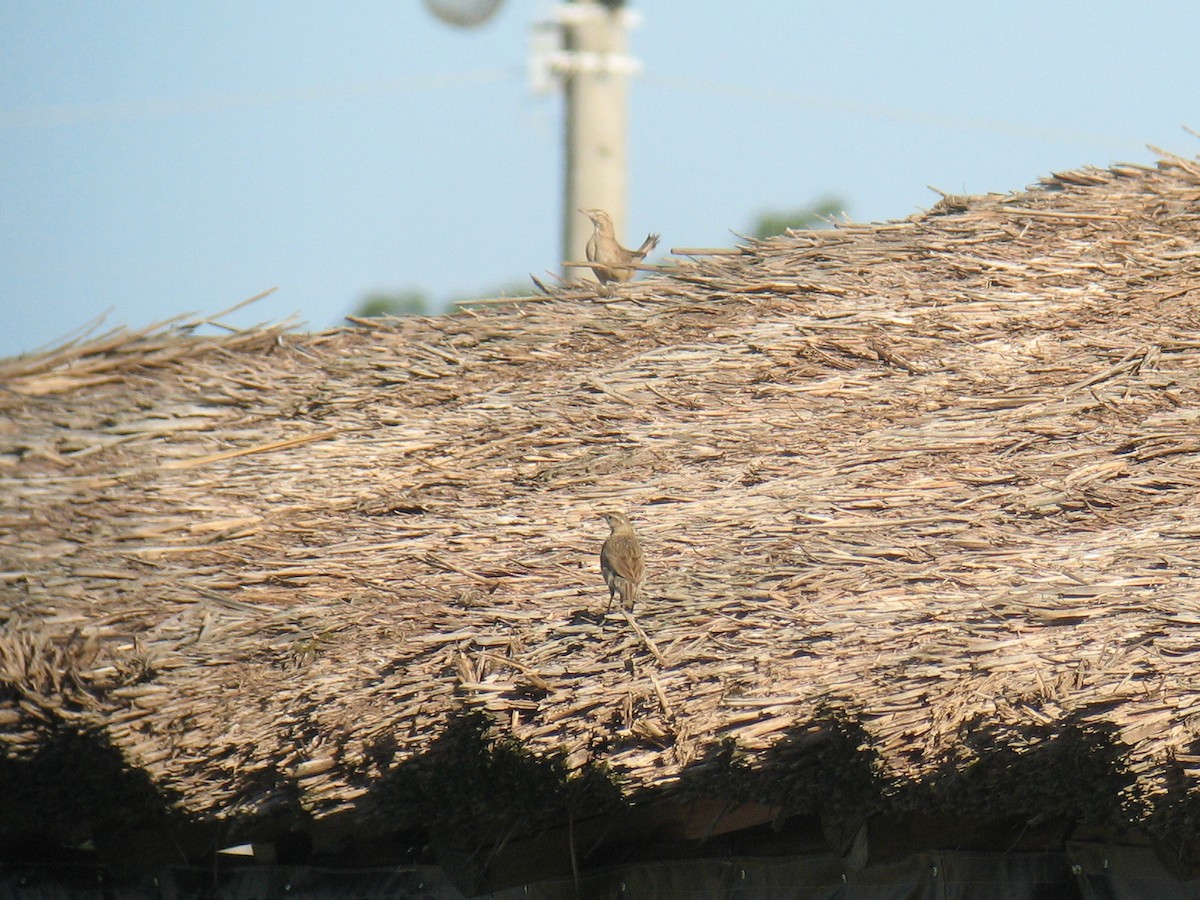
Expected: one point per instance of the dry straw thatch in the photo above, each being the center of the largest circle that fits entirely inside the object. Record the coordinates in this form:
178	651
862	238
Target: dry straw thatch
935	477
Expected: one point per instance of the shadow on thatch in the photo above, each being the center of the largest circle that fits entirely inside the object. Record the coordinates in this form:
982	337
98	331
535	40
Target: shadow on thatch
493	813
1011	787
76	799
475	781
1174	822
1071	770
472	792
826	761
75	792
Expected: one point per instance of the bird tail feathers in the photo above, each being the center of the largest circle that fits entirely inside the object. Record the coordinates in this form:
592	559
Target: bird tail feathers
648	244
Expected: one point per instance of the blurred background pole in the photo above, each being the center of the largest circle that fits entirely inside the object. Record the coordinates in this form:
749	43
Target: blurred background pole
596	69
583	48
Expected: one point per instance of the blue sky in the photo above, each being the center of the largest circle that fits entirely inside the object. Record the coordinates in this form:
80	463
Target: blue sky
162	158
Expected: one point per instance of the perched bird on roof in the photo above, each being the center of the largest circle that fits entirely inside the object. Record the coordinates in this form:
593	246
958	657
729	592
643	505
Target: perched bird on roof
621	561
613	262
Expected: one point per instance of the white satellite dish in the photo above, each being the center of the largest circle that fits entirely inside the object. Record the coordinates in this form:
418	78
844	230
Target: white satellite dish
463	13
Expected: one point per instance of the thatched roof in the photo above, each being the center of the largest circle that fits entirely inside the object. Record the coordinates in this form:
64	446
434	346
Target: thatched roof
919	502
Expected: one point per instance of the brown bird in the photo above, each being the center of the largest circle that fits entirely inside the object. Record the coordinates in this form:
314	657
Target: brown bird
621	561
614	262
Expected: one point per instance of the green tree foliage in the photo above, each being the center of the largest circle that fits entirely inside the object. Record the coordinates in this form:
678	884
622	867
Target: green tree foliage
813	216
416	302
410	302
